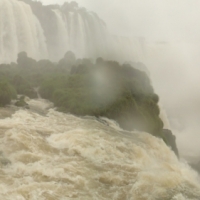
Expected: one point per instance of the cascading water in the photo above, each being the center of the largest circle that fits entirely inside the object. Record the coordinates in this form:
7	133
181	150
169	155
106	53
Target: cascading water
49	32
87	36
62	36
60	156
20	31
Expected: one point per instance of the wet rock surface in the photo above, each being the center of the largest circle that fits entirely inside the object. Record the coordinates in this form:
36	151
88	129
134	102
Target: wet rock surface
170	140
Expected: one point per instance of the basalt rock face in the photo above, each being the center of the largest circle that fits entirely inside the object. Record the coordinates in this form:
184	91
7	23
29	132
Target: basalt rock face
170	140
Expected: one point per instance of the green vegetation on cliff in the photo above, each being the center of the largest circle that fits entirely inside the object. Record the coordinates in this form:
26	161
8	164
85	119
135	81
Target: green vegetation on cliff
7	92
106	89
80	87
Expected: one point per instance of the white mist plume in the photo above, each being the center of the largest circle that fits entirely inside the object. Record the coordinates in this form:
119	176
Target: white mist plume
175	73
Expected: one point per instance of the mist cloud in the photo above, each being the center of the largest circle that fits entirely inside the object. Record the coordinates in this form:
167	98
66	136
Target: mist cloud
174	66
152	19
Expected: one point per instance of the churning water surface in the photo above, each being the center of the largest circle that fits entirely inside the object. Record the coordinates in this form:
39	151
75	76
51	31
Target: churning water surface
48	155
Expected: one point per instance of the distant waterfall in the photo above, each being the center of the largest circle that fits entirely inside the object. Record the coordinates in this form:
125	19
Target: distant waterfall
20	30
62	36
50	31
81	33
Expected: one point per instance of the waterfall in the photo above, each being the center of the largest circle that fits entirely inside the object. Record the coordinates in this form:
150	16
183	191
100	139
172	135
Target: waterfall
49	32
62	37
53	155
20	31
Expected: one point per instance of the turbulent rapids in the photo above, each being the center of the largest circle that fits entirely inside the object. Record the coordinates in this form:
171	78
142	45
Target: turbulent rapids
48	155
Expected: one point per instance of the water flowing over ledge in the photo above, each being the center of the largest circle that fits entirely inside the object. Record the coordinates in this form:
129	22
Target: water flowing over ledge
60	156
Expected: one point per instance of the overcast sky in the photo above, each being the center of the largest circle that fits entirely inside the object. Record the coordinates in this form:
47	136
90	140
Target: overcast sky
154	19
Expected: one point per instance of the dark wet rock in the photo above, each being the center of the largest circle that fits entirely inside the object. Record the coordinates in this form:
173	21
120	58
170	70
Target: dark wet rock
170	140
196	166
4	161
22	103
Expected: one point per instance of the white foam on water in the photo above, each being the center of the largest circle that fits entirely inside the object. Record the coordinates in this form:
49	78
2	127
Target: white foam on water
60	156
